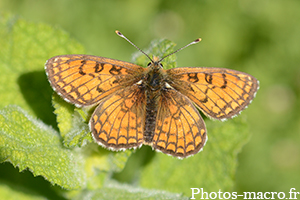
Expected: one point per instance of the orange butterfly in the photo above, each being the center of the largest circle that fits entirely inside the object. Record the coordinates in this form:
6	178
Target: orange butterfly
150	105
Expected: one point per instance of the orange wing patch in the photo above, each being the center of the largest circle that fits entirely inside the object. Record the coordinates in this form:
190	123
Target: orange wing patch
118	122
85	80
219	93
180	131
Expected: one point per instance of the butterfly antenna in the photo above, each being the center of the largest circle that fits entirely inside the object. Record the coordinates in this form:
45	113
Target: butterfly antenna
121	35
194	42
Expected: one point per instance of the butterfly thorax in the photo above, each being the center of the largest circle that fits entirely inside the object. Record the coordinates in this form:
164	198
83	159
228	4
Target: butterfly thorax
154	78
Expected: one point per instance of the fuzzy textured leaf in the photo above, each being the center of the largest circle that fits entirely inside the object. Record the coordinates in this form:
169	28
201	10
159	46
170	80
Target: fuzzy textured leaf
114	190
25	47
28	143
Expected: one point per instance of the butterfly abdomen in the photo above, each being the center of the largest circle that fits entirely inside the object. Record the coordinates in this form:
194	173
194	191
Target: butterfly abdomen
151	113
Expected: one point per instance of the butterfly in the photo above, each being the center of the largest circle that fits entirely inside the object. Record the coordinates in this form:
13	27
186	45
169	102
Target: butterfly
151	105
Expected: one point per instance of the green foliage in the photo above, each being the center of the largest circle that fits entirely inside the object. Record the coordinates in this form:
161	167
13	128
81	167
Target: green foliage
72	123
10	194
68	157
114	190
28	143
158	48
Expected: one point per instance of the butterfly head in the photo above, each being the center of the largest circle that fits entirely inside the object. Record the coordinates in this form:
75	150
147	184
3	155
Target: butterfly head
155	63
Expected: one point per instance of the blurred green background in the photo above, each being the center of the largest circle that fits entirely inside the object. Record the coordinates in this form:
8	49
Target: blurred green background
259	37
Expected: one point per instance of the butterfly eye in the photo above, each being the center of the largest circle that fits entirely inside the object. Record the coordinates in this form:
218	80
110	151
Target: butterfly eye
148	64
161	65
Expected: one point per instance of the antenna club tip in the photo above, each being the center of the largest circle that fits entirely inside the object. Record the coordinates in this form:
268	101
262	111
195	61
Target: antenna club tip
198	40
118	32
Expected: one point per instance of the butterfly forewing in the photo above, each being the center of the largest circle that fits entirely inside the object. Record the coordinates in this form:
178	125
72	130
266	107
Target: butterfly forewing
84	80
219	93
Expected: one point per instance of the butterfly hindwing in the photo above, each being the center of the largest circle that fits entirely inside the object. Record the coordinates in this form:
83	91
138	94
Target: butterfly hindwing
118	121
180	130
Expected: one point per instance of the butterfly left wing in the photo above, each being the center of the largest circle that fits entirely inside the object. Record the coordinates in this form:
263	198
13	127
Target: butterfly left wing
118	121
84	80
180	130
219	93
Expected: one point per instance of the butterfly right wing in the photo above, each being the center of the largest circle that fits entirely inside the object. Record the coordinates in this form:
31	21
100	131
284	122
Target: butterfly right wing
180	130
218	92
84	80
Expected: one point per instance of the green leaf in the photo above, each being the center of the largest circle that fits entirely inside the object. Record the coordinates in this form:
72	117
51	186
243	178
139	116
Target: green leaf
10	192
28	143
114	190
72	123
25	47
159	48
